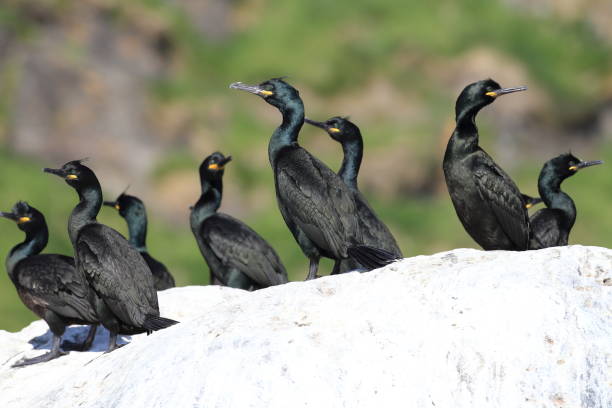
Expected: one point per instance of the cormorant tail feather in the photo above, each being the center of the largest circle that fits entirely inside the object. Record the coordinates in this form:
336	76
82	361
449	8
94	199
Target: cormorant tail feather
153	323
371	257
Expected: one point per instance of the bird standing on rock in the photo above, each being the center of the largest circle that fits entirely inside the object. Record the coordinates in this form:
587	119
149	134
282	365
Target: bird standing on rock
375	232
487	201
236	255
127	299
133	210
48	284
551	226
316	205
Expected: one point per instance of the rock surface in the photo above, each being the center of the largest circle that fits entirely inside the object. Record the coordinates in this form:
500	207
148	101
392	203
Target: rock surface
464	328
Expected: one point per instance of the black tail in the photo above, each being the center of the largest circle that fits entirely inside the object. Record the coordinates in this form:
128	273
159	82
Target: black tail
371	257
153	323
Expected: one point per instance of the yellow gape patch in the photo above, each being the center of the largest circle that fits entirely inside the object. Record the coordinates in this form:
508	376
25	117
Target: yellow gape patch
23	219
215	166
266	93
573	168
117	207
334	130
528	205
492	94
72	177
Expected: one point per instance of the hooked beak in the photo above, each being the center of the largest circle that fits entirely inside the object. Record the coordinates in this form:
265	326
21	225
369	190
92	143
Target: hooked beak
254	89
582	165
225	161
9	216
315	123
57	172
504	91
322	126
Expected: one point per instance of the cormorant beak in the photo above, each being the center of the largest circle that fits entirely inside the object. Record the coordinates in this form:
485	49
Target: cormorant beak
322	126
533	202
225	161
10	216
113	204
504	91
57	172
582	165
254	89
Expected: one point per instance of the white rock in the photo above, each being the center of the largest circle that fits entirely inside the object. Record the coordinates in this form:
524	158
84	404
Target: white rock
464	328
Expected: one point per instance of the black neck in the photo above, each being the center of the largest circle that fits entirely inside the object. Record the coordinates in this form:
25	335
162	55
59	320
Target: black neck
137	227
351	162
34	243
208	204
287	133
86	210
549	187
465	136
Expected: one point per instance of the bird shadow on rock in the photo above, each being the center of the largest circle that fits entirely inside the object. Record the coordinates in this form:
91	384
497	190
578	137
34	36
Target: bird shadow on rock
73	338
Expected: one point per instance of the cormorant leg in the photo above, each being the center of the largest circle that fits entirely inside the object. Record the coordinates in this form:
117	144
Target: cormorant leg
336	269
314	266
112	342
90	337
86	345
54	353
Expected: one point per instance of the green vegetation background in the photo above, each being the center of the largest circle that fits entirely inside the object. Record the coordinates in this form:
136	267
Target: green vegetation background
331	48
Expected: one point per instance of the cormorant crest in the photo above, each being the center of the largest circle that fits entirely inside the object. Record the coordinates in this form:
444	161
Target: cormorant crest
21	207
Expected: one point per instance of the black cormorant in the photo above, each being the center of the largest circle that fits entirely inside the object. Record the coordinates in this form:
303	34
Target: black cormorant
48	284
316	205
133	210
551	226
487	202
127	299
375	232
236	255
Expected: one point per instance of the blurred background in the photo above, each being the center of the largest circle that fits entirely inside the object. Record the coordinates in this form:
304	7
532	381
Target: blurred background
140	87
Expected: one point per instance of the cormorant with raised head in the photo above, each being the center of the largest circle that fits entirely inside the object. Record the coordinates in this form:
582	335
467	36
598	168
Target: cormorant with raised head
133	210
48	284
487	202
375	232
316	205
236	255
127	299
551	226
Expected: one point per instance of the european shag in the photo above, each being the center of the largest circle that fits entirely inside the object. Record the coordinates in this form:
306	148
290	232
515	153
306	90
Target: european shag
316	205
375	232
127	299
133	210
551	226
487	202
236	255
48	284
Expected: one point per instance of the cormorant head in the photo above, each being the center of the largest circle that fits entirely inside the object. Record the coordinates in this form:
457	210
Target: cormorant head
212	167
479	94
128	206
275	91
566	165
339	128
530	201
77	175
27	218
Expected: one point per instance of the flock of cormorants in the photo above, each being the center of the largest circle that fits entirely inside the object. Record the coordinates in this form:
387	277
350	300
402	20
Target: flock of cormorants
114	282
